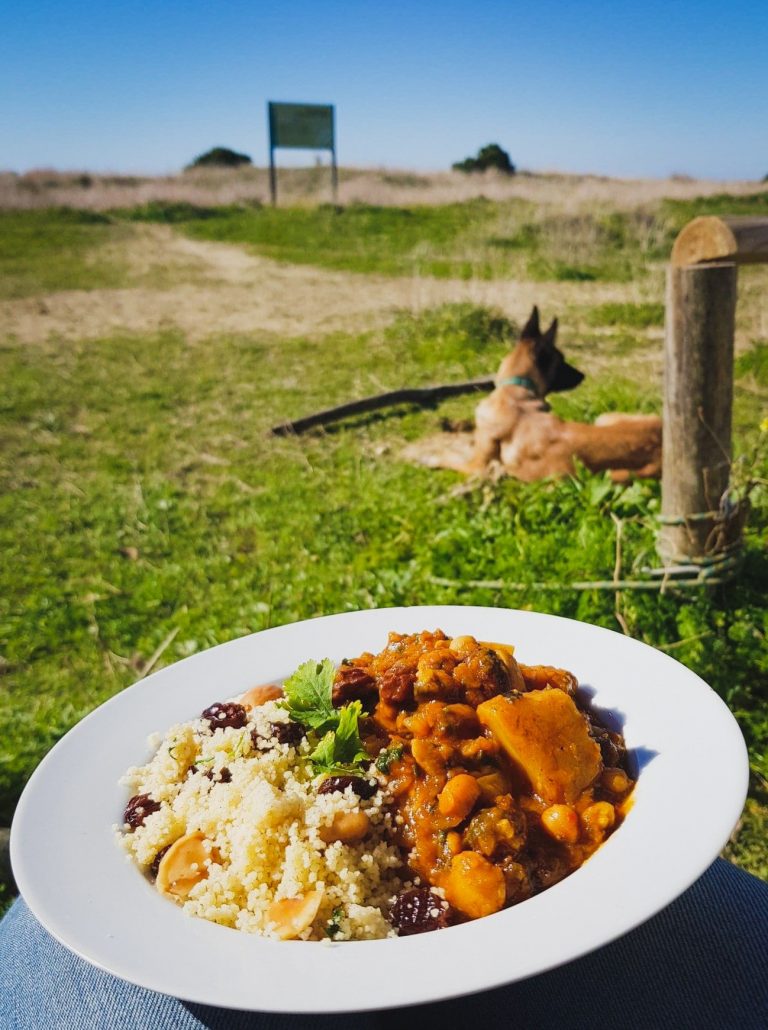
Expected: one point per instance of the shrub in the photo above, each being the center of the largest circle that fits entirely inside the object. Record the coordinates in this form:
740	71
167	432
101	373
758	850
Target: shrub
169	211
220	157
489	156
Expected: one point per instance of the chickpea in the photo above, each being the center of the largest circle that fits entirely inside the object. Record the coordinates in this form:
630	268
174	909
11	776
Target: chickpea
461	645
598	818
616	781
458	797
474	885
347	827
292	915
561	822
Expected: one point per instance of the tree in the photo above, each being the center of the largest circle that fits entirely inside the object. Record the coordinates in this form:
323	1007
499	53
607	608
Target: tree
489	156
220	157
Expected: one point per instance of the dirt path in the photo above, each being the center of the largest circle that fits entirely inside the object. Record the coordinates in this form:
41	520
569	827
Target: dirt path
207	288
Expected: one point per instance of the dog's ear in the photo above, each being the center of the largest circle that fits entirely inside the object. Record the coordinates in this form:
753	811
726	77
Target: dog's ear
530	330
550	335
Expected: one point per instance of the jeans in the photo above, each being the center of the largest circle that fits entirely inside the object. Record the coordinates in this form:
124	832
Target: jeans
701	964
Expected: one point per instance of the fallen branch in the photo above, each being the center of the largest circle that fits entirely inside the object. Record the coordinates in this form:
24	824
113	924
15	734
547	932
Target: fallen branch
661	586
153	660
409	395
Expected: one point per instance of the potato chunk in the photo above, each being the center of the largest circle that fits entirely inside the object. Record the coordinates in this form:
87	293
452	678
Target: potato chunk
547	737
474	885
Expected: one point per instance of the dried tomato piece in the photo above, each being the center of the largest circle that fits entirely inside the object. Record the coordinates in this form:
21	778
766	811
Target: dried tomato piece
419	910
138	808
226	714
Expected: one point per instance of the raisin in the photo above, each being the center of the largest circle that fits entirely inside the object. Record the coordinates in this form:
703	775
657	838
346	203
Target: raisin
223	775
287	732
354	684
612	748
156	861
362	787
138	808
417	911
226	713
396	685
283	732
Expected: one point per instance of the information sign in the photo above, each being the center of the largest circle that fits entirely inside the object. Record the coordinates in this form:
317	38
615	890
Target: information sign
301	126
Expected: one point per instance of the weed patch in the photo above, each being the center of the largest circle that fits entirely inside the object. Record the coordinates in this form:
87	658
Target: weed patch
753	364
681	211
55	249
634	316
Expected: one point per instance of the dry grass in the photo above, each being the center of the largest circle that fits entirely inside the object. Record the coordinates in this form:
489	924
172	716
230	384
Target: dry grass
565	193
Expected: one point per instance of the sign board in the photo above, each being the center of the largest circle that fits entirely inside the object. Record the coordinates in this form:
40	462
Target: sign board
301	126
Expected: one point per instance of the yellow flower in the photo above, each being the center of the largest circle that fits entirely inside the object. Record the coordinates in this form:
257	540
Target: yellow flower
764	425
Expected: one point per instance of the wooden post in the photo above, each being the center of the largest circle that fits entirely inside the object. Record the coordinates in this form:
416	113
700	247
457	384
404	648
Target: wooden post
334	177
272	177
699	523
698	394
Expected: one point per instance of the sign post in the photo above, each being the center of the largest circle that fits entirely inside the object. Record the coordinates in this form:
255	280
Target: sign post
303	127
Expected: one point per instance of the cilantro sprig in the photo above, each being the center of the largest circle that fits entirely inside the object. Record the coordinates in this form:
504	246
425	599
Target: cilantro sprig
341	750
309	696
309	701
386	758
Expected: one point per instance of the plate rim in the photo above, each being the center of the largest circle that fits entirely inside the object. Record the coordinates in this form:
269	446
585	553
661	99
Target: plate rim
683	879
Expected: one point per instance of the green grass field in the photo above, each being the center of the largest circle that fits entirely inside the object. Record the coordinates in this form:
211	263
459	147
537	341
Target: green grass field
144	508
56	250
474	239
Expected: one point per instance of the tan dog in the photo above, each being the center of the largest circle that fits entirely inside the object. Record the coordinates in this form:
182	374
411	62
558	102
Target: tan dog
516	433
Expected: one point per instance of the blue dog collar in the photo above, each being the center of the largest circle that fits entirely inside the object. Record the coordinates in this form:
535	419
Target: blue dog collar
524	381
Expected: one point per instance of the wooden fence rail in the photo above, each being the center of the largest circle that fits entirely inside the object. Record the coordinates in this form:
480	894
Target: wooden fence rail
700	522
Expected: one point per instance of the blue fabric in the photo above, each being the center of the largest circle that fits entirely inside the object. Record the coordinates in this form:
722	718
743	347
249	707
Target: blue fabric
701	964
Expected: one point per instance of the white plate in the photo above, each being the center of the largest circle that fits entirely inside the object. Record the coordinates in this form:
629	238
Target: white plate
691	788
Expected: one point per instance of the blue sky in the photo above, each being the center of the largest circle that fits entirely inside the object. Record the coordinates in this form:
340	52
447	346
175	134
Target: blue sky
646	88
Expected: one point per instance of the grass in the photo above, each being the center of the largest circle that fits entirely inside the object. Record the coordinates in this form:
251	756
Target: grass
681	211
435	241
474	239
633	316
139	496
59	249
753	363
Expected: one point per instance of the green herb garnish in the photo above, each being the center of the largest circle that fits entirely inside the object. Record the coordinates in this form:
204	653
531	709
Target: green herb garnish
309	696
309	700
341	750
239	748
386	758
334	923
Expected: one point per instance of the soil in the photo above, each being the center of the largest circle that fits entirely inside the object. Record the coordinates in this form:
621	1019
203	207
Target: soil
205	289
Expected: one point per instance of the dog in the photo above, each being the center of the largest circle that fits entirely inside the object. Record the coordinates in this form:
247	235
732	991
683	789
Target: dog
517	434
